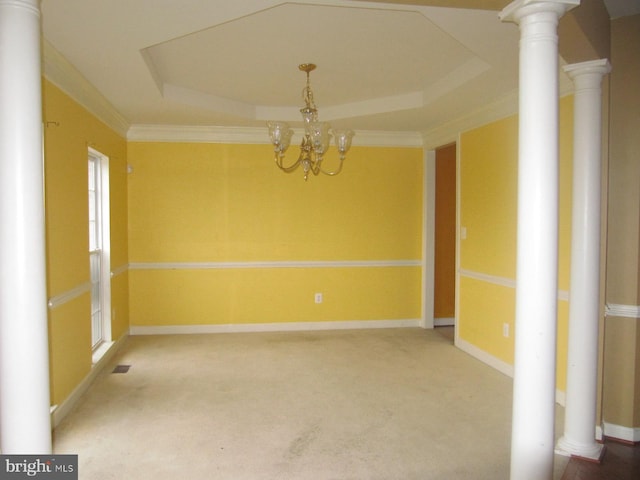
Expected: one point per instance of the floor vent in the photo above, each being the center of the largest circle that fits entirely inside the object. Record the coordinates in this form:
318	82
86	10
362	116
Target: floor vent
121	369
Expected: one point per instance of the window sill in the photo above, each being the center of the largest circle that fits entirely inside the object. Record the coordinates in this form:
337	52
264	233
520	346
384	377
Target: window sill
100	352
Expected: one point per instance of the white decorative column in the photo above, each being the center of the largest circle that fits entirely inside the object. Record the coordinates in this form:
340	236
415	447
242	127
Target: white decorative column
584	309
25	425
532	440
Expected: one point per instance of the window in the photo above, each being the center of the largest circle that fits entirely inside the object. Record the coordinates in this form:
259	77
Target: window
99	249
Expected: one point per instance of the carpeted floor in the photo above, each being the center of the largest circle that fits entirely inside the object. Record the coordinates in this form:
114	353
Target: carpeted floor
366	404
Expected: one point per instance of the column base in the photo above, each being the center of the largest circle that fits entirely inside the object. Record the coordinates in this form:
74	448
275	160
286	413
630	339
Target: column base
591	452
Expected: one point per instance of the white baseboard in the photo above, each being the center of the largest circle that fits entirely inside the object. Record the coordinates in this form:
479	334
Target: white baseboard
272	327
599	433
500	365
444	321
59	412
484	357
628	434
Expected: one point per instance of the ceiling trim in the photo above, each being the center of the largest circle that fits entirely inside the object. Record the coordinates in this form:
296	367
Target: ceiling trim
59	71
256	135
448	132
214	103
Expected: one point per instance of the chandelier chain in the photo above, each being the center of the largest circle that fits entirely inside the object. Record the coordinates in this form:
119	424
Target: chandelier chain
307	94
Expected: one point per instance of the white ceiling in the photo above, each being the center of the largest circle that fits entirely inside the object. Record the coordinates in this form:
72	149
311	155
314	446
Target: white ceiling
381	66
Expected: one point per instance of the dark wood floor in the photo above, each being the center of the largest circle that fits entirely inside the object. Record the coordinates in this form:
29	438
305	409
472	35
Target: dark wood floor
621	462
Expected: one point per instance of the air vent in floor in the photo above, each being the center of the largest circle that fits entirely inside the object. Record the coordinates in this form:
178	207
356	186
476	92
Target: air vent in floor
121	369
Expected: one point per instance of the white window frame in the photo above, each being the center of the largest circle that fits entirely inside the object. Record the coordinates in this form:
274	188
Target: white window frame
104	250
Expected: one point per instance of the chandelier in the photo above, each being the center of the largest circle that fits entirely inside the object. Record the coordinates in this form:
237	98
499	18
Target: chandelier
315	142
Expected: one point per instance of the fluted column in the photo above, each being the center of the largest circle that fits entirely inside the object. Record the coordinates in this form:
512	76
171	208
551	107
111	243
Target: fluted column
532	440
25	425
584	309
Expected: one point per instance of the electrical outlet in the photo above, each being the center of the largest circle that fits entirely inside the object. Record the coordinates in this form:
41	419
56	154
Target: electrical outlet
505	329
318	297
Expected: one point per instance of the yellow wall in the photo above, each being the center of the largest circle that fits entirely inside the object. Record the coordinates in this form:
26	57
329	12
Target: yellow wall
70	129
212	203
207	203
488	204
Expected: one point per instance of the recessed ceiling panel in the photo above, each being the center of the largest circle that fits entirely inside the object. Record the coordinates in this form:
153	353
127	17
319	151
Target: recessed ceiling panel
362	54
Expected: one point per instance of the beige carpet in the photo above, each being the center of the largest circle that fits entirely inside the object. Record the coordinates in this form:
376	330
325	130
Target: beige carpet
367	404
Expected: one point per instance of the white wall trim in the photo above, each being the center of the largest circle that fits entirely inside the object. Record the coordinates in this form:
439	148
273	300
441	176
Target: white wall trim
618	310
428	237
59	412
119	270
69	295
444	321
256	135
484	357
59	71
78	291
502	281
485	277
274	264
197	134
272	327
456	312
494	362
628	434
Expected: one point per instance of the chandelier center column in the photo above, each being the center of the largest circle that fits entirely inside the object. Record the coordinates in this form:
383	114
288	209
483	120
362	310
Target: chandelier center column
584	308
25	424
532	440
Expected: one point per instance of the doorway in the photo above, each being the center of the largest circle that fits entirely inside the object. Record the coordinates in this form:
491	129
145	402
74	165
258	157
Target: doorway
445	237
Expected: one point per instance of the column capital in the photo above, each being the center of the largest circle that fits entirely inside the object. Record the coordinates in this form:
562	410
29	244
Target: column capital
521	8
600	66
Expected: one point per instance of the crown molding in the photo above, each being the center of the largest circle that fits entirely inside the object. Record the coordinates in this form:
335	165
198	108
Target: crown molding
63	74
59	71
196	134
256	135
448	132
273	264
504	107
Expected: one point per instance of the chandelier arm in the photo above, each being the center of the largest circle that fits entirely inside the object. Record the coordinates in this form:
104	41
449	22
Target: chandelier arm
316	167
335	172
278	159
